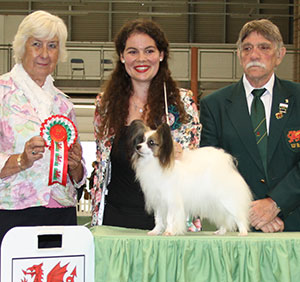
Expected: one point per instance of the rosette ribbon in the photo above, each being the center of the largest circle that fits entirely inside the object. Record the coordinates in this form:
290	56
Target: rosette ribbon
59	134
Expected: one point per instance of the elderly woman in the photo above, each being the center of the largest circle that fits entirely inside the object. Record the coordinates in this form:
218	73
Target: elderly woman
136	91
27	98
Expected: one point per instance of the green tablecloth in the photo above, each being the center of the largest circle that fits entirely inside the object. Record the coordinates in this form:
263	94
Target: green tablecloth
131	255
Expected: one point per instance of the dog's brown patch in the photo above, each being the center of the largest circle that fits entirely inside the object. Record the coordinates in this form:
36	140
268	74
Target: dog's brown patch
166	148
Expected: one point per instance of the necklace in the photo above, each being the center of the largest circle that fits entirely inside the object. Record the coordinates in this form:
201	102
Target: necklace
136	107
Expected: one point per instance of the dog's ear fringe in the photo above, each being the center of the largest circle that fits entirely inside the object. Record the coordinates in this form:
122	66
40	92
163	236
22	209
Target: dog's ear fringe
166	150
136	132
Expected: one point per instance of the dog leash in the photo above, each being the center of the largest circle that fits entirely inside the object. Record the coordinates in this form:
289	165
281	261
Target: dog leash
166	104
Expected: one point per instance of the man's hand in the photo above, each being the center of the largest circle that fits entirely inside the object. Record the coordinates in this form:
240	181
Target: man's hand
263	212
276	225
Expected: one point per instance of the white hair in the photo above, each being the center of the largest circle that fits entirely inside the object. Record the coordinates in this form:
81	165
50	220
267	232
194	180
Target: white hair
42	25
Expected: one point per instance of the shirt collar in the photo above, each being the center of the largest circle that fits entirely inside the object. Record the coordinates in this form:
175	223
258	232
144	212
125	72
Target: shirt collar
269	86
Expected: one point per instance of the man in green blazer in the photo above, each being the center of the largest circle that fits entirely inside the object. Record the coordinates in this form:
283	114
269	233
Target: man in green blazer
226	119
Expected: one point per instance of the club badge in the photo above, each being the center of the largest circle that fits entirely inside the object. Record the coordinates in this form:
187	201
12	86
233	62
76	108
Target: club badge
293	139
282	109
59	134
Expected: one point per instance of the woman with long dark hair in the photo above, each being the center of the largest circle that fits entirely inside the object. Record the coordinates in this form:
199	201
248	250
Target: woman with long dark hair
136	90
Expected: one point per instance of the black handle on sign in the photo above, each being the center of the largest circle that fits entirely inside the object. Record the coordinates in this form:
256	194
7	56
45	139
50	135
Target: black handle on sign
49	241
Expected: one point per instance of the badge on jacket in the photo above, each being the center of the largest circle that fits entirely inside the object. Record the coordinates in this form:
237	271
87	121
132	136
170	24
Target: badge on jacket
293	139
282	109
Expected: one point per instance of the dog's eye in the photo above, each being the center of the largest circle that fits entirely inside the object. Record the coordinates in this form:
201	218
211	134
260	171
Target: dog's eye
152	143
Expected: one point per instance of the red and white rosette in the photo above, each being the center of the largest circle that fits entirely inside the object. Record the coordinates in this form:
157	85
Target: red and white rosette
59	134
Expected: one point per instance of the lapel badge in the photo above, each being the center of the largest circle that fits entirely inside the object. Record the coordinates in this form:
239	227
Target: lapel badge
279	115
282	109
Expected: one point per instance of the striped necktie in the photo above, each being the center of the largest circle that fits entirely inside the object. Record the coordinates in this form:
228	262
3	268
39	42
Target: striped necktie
258	119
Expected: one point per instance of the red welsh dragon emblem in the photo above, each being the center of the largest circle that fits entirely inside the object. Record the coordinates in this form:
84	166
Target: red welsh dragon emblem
56	274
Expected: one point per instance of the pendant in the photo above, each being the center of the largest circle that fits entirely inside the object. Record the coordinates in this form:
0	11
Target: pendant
138	108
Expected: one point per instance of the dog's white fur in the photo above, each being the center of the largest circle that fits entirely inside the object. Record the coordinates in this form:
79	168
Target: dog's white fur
204	182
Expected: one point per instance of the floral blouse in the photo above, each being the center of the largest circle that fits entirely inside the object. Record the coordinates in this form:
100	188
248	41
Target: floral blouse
188	135
18	123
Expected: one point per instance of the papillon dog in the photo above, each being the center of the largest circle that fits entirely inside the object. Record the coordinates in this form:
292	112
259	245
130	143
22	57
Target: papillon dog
203	182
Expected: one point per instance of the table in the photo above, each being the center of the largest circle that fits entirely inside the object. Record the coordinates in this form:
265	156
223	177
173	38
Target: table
131	255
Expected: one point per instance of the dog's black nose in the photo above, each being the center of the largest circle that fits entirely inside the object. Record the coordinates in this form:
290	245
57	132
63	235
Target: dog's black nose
138	147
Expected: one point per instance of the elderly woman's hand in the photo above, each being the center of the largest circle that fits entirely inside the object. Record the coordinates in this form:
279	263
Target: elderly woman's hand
75	156
74	162
33	151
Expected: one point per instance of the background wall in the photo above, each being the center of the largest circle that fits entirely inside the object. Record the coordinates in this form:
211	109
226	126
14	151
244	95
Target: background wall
209	26
194	21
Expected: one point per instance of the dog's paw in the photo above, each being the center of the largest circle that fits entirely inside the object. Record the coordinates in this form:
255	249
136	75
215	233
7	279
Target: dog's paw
168	233
221	231
243	233
243	230
153	232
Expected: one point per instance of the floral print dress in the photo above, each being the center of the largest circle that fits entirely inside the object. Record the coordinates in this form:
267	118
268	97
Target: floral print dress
18	123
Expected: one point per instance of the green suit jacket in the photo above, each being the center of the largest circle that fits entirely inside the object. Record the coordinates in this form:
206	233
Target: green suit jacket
226	123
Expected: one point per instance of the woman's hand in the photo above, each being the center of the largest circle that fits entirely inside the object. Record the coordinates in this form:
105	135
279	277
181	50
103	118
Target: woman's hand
33	151
178	150
74	156
74	162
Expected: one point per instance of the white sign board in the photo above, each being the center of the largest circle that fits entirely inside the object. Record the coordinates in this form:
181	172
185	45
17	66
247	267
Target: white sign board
26	255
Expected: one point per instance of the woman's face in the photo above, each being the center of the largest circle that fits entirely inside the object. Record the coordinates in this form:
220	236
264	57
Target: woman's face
40	58
141	57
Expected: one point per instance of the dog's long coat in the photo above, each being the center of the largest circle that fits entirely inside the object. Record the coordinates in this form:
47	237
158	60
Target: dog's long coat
204	182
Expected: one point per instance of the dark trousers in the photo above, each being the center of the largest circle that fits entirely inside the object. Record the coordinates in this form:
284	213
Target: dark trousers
128	218
36	216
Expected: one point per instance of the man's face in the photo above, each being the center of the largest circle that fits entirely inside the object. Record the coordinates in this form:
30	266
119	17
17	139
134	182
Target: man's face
259	57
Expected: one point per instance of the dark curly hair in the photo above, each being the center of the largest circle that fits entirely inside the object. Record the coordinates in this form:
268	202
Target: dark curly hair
114	107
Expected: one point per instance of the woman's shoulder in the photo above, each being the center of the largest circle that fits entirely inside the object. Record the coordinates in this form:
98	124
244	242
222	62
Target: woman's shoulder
62	94
98	99
6	79
99	95
186	92
7	85
187	97
64	98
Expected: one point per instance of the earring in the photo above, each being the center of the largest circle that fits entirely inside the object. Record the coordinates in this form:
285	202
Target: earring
160	59
123	61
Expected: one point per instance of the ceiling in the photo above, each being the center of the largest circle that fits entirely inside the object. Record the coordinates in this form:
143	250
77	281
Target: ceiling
164	8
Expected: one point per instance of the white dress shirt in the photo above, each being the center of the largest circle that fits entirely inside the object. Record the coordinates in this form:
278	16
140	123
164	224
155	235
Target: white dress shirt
266	97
